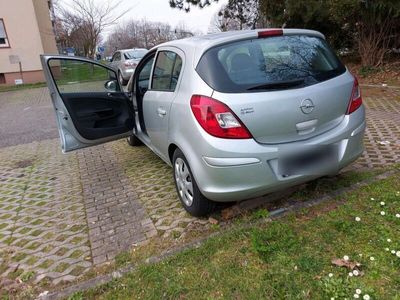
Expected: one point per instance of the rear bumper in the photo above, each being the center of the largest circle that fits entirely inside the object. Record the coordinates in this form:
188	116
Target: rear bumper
127	73
224	174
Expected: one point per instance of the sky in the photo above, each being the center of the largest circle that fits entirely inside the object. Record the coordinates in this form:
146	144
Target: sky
160	11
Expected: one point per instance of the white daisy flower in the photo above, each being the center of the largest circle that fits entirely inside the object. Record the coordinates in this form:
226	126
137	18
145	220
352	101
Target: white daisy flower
351	274
398	253
372	199
383	213
387	249
346	258
389	240
358	291
372	258
356	273
358	219
360	255
397	215
393	251
366	297
356	296
330	275
382	203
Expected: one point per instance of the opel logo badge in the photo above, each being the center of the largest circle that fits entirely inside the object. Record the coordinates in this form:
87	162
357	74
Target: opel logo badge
307	106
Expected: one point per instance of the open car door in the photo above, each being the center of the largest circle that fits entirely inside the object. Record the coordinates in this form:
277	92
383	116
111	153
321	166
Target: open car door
91	107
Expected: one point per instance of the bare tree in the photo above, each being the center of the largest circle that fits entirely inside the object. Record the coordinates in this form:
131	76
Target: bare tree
236	15
84	24
375	33
223	22
144	34
186	4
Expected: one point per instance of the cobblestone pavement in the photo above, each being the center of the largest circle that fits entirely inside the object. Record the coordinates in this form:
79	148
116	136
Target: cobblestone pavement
61	214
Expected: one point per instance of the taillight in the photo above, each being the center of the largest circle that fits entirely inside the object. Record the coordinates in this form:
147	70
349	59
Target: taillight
217	119
270	33
130	64
355	99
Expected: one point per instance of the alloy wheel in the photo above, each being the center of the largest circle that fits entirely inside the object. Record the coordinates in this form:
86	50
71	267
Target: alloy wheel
184	181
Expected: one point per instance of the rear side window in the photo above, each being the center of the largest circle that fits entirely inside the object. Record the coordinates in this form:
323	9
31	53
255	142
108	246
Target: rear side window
272	63
166	71
117	56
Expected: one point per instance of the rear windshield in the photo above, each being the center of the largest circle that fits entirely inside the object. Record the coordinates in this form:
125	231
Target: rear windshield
135	54
273	63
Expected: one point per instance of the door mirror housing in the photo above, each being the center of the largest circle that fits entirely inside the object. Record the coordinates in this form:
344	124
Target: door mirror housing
111	85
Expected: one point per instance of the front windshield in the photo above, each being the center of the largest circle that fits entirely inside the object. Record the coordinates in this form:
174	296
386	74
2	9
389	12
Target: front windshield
135	54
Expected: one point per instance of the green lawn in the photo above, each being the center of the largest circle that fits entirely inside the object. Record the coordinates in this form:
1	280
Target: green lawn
67	71
8	88
287	258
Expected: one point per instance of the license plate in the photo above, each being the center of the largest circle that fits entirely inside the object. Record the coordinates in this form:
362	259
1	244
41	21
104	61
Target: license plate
309	160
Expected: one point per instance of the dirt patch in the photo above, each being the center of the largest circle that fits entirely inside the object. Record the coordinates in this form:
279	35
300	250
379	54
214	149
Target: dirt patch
9	287
387	74
24	163
378	92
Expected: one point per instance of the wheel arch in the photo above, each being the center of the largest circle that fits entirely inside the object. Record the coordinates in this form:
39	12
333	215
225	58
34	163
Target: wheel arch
171	149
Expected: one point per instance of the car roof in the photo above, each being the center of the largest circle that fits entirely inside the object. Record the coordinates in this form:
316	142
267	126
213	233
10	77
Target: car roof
127	50
199	44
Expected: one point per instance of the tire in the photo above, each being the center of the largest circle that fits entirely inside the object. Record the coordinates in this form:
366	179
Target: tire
134	141
197	205
121	79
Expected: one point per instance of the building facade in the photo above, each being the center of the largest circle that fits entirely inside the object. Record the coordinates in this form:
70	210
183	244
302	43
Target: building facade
26	31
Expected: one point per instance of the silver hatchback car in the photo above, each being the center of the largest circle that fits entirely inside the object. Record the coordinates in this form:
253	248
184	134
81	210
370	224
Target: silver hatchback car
125	62
237	115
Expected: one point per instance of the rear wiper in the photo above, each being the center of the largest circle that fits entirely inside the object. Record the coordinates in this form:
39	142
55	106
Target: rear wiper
277	85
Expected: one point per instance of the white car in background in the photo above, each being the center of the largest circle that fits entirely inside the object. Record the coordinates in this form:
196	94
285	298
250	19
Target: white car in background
125	62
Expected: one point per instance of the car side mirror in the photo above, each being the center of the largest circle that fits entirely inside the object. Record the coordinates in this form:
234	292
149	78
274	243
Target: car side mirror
111	85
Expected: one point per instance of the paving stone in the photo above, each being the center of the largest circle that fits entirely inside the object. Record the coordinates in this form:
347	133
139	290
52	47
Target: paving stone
49	205
57	211
117	213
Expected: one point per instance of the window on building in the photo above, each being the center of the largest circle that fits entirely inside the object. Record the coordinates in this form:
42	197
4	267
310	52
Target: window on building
3	35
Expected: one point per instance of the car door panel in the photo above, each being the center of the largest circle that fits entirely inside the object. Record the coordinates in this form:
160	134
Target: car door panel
90	106
96	115
158	100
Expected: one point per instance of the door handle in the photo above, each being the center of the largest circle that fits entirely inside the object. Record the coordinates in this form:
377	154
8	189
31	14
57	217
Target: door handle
161	112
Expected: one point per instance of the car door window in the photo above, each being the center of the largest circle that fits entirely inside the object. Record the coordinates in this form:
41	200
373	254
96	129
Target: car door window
144	76
116	57
72	76
166	71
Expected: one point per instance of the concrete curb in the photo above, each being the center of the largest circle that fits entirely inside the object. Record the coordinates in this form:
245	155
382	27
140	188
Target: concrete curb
278	213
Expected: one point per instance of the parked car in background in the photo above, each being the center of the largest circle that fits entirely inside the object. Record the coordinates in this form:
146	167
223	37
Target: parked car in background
236	114
125	62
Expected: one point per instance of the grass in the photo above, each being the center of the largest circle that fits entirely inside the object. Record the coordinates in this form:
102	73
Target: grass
8	88
73	71
325	185
287	258
70	71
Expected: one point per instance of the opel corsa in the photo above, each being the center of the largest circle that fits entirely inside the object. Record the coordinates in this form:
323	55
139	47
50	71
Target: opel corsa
237	115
